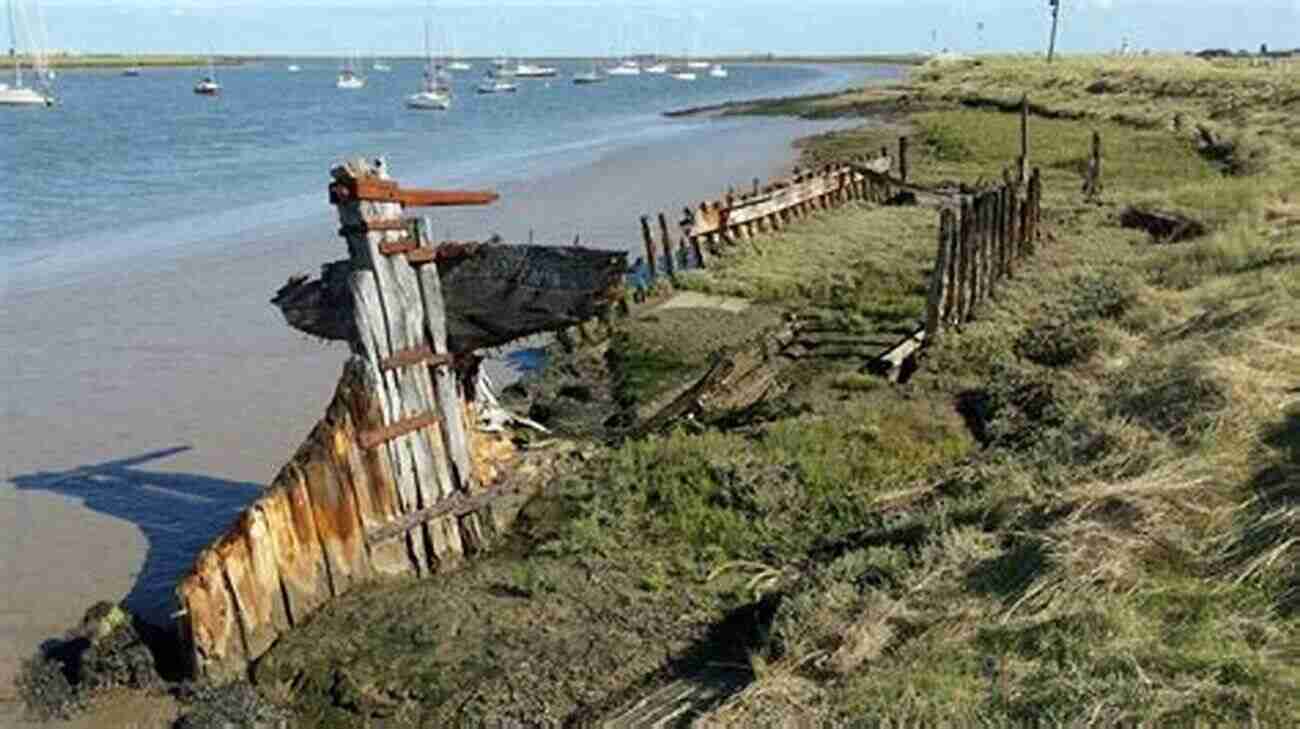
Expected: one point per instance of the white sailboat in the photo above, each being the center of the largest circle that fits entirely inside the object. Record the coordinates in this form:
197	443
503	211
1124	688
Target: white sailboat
684	75
626	68
532	70
594	76
294	68
435	92
454	63
348	78
719	71
658	67
208	85
20	94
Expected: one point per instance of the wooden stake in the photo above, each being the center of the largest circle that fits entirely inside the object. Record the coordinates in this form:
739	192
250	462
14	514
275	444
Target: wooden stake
936	302
650	257
902	158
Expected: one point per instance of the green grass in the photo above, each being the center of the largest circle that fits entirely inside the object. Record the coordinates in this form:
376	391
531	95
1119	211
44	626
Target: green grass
862	262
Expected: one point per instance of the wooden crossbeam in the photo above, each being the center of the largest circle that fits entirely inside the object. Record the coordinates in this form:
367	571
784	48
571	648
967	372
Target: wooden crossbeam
371	439
414	356
458	504
373	189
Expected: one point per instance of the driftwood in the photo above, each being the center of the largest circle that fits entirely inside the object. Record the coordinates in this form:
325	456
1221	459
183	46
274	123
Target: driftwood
494	294
1163	225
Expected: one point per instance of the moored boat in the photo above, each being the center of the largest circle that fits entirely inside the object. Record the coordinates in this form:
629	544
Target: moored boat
19	94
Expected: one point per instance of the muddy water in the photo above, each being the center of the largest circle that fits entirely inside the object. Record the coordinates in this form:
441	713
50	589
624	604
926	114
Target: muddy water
142	405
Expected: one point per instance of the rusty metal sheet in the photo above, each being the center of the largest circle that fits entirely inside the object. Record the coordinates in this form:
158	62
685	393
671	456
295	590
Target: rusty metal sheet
378	436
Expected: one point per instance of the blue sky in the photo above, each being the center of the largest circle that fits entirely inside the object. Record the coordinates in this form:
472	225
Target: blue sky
533	27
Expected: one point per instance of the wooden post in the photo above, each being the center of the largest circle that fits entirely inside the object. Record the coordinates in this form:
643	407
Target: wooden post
1013	230
387	289
446	387
1022	162
652	266
1056	16
902	158
1036	210
665	239
937	301
964	261
757	183
1092	183
951	298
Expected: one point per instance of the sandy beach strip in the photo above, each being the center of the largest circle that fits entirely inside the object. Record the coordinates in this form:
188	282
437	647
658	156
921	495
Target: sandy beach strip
143	405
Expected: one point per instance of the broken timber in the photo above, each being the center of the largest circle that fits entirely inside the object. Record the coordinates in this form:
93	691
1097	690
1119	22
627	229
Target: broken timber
393	480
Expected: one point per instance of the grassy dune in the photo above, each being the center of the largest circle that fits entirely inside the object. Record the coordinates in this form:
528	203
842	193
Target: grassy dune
1084	510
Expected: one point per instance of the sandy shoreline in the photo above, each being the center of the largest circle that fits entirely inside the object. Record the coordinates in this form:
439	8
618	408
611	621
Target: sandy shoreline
145	405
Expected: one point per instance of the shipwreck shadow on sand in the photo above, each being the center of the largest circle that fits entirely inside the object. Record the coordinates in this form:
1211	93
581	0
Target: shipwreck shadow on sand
179	514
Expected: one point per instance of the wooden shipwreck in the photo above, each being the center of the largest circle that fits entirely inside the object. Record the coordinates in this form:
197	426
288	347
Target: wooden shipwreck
397	478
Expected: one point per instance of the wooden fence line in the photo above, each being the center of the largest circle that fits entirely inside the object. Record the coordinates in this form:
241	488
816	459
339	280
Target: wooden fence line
362	497
982	238
710	228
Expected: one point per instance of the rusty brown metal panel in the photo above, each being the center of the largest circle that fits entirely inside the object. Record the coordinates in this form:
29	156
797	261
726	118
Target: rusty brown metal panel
379	436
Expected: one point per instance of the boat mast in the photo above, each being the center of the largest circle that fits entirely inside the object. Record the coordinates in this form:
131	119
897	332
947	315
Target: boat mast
13	45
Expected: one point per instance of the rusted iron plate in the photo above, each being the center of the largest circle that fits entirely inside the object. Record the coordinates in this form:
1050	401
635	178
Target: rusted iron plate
377	190
376	225
414	356
398	247
445	252
374	438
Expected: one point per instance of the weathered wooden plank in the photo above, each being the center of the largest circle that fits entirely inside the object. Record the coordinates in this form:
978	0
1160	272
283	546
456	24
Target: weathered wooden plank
761	207
334	512
376	489
446	392
252	607
368	312
967	267
411	389
265	617
215	640
936	301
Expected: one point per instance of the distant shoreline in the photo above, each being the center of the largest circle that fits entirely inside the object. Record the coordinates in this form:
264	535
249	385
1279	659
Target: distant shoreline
182	61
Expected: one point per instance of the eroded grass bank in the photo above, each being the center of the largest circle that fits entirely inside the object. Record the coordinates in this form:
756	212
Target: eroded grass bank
1083	510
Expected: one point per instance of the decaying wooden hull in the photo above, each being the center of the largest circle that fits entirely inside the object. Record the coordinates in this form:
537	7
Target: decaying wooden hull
494	294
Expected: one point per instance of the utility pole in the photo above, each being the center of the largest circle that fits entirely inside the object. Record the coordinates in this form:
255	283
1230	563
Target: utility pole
1056	15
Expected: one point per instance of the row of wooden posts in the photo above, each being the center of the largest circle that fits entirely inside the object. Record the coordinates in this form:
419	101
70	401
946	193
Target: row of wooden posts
711	227
982	239
390	482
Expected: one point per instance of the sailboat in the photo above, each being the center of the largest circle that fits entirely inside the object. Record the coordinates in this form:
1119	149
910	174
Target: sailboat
380	66
628	66
133	70
19	94
719	71
594	76
208	86
348	78
658	67
434	92
454	62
